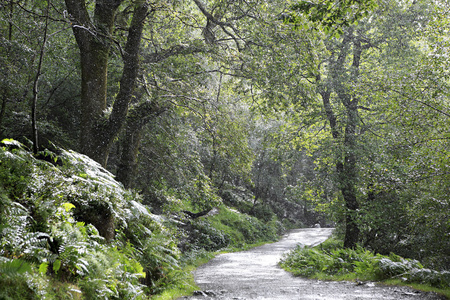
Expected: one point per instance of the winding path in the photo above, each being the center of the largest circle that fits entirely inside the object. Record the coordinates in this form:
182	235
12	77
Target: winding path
254	274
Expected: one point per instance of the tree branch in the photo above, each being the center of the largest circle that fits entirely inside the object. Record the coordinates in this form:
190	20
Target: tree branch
209	36
157	57
130	70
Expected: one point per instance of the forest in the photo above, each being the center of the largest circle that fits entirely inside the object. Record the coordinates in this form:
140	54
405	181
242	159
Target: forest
139	136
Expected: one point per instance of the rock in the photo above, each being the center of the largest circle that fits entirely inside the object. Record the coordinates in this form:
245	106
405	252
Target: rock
205	293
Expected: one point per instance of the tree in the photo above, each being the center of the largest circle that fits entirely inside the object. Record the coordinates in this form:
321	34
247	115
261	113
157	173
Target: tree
280	174
343	76
36	83
137	118
22	29
331	112
347	75
406	170
189	51
95	37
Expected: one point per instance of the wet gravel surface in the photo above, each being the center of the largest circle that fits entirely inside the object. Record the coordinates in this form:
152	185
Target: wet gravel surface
254	274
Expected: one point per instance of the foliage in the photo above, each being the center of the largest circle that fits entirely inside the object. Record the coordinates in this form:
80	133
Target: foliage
387	148
279	109
331	15
229	228
204	236
185	183
332	260
42	225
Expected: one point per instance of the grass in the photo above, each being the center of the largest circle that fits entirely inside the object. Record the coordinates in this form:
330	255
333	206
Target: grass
242	228
389	282
330	261
186	284
184	288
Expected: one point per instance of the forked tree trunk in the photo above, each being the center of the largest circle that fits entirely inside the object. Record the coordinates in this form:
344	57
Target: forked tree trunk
94	37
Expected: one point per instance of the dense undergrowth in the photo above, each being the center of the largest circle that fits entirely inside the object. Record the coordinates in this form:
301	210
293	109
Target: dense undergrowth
69	230
330	261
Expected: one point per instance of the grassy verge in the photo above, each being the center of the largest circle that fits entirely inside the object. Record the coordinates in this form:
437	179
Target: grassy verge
185	284
330	261
419	287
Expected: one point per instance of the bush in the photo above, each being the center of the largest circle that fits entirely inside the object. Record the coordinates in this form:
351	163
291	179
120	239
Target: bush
203	235
229	228
243	228
394	266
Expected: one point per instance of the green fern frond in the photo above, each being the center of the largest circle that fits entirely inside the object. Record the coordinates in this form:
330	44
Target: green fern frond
14	267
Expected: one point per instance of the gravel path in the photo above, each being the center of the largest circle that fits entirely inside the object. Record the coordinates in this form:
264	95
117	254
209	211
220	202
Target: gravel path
254	274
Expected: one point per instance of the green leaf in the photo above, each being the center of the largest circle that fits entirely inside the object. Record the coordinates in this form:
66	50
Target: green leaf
11	142
43	268
57	265
68	206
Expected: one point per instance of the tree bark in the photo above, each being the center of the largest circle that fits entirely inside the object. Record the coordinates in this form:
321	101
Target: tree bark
350	173
197	215
136	121
34	126
5	89
94	41
346	162
348	178
94	38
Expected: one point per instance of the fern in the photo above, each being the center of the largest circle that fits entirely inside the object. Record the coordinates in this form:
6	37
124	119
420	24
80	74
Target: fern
14	267
41	226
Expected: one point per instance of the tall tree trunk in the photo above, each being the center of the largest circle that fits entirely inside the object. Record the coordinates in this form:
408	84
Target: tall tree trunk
346	162
348	178
346	167
140	116
5	95
94	41
93	37
350	173
129	152
35	86
5	88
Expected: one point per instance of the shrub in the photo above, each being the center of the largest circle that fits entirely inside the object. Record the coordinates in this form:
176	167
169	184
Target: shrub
202	235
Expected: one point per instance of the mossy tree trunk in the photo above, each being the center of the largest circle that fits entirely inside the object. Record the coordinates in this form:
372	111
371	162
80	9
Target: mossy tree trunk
94	37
